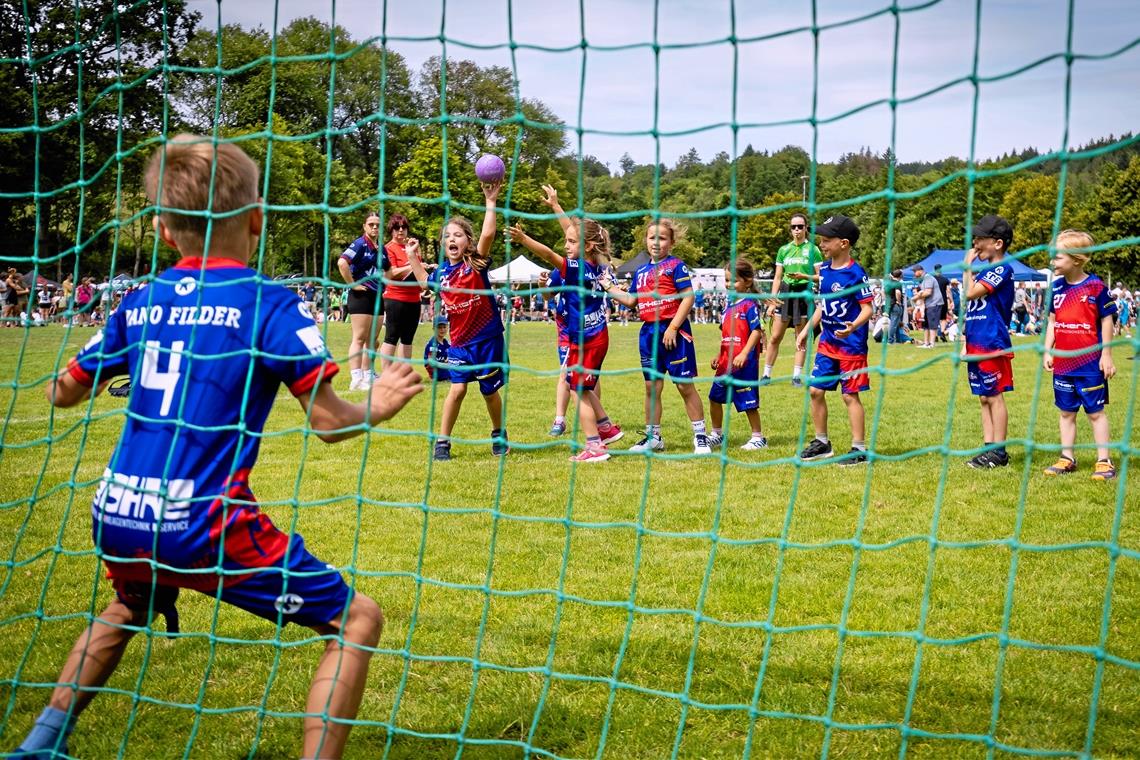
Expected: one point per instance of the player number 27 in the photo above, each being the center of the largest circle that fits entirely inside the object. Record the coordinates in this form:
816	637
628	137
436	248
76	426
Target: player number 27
157	380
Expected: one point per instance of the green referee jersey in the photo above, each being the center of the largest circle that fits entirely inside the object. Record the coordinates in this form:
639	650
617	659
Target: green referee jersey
801	259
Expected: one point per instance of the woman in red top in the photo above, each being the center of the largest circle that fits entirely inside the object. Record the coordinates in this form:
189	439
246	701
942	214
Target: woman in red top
401	292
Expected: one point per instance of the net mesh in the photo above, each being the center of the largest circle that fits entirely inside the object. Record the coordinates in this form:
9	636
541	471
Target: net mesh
674	606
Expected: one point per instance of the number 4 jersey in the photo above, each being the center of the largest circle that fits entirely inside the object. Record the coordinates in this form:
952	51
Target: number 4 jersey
207	347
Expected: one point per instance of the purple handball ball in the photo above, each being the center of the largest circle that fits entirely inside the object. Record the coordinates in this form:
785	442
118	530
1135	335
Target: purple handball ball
490	168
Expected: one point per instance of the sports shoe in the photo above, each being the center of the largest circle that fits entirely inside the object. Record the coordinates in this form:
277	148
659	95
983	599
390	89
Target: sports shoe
1103	470
1063	466
701	444
557	429
816	449
442	451
853	458
648	444
988	460
715	439
499	445
611	434
765	380
591	454
355	385
797	382
755	444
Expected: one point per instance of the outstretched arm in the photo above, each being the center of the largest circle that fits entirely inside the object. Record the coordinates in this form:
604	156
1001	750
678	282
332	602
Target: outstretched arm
329	414
541	250
487	235
606	283
551	200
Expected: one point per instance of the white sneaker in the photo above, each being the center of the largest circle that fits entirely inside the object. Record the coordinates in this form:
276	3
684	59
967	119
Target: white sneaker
701	444
648	444
715	439
755	444
355	385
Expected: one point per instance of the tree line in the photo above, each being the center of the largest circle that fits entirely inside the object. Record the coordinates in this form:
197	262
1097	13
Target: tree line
344	126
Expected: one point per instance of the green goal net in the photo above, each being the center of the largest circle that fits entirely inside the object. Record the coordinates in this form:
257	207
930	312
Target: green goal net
663	603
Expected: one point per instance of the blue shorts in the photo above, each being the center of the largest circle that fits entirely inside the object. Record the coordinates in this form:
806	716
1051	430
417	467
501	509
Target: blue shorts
745	396
563	352
827	372
1071	392
463	364
312	595
679	362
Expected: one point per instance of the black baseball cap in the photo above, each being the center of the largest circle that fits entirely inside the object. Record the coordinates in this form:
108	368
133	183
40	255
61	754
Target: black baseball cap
993	226
839	226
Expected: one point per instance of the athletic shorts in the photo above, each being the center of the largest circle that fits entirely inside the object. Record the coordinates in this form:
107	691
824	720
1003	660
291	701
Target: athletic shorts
990	377
656	360
828	372
401	318
590	356
364	302
312	594
1072	392
742	391
795	310
463	364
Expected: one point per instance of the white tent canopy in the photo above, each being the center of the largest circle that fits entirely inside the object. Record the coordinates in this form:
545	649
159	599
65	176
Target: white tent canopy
520	269
708	279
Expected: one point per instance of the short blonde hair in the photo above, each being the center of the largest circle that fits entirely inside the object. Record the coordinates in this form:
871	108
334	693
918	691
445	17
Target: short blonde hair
1070	239
676	231
185	164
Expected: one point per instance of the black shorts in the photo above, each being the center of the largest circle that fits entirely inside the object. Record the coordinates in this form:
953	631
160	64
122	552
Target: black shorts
943	311
795	310
363	302
401	318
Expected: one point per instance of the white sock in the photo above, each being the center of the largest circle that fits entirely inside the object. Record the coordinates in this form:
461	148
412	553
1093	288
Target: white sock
859	445
356	374
767	370
559	420
757	436
698	427
796	371
823	438
715	431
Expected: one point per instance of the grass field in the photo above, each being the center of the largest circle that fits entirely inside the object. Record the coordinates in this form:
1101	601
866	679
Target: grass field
641	608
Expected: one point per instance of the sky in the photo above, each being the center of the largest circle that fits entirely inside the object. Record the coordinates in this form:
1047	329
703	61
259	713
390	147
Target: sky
617	89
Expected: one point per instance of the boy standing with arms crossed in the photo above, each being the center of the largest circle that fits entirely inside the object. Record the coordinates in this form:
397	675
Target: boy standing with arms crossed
843	311
989	306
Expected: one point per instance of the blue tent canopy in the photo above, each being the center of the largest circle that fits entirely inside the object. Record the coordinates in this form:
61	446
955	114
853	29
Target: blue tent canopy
953	263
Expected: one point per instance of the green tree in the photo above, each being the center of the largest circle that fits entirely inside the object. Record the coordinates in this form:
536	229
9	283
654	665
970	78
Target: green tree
761	235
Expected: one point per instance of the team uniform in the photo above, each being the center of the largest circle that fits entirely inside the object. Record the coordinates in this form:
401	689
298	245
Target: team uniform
987	332
740	319
587	327
363	259
1077	312
435	357
656	286
842	293
558	303
475	325
176	492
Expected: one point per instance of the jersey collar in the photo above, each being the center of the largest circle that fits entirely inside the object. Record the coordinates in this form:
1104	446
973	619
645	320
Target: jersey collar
212	262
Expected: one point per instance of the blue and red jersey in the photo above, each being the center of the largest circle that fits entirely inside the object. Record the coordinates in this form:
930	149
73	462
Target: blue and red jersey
435	350
740	319
1077	311
987	318
363	259
656	286
206	348
559	309
471	316
584	302
842	291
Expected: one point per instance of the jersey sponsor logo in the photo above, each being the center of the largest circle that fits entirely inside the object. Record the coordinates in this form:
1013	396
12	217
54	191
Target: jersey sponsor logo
131	501
1073	326
311	337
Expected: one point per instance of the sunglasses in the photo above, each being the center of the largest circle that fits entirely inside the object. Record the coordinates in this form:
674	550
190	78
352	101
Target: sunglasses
399	226
798	226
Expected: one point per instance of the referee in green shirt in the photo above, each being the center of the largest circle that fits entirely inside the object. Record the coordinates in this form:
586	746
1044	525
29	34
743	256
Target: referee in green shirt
797	270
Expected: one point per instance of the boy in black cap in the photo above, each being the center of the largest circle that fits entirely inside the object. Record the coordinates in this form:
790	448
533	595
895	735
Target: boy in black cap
844	310
990	304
